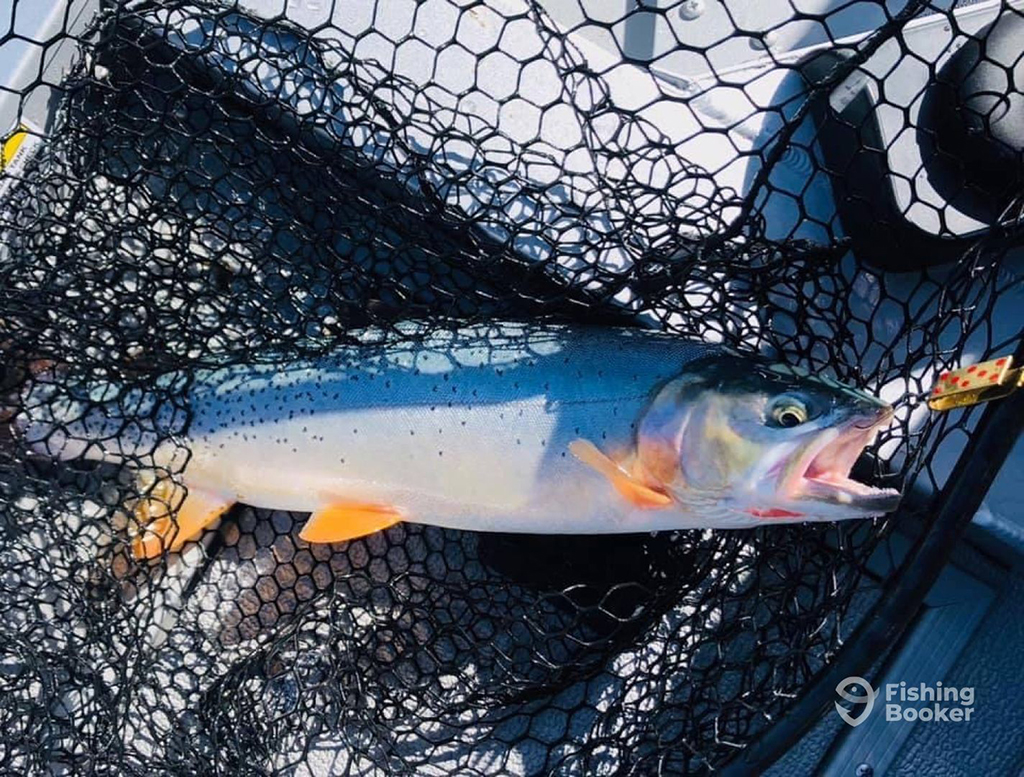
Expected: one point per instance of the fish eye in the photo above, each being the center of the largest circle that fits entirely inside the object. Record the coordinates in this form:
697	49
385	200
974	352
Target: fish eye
787	412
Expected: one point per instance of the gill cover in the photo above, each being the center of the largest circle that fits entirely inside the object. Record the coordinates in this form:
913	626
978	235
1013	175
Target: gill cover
743	427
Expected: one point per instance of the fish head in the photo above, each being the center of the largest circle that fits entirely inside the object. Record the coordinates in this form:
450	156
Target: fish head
769	440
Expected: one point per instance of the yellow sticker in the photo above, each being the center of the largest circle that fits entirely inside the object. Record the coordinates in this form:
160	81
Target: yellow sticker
11	145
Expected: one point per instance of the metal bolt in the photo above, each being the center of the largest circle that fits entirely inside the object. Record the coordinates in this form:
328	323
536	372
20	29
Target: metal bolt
864	770
691	9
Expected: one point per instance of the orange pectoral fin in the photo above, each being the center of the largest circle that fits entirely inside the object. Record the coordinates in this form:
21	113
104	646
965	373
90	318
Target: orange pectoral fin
340	521
166	530
634	491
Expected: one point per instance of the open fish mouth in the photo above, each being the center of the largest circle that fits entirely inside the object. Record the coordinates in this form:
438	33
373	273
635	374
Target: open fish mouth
824	471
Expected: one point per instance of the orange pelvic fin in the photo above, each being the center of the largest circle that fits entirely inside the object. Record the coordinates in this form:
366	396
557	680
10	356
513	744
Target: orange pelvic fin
340	521
633	490
166	525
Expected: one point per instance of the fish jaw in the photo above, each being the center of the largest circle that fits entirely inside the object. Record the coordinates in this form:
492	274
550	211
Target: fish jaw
818	481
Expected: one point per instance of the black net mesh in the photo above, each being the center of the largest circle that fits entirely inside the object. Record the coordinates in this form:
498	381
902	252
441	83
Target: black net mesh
209	182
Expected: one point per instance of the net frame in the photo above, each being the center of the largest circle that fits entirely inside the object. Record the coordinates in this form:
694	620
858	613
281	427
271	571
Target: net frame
127	115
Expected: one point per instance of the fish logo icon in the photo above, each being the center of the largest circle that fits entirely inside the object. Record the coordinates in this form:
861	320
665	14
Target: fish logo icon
866	696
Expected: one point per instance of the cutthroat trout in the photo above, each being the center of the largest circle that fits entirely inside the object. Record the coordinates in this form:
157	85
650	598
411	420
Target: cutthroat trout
499	427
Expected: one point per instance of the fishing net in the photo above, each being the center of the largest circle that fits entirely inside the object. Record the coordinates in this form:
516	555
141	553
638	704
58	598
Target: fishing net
202	183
